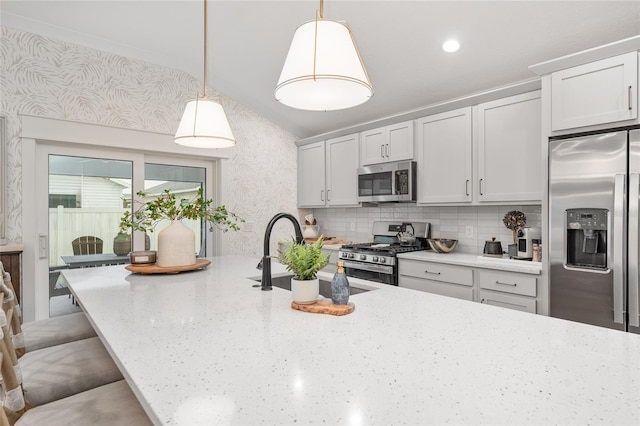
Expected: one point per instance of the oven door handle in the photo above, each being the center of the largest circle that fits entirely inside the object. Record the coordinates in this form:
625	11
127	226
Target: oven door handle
369	267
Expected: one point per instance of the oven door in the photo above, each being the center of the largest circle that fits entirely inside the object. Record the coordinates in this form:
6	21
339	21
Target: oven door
366	271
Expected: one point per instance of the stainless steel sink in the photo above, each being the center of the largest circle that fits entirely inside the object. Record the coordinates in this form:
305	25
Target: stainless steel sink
284	282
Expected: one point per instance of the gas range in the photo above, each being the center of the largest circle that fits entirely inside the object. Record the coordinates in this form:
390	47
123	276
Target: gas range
382	253
376	261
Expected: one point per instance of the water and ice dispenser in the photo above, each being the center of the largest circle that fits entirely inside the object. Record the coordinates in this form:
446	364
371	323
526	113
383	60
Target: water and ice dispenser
586	238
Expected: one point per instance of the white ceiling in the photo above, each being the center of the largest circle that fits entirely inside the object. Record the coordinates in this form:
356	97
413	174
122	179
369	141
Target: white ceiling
399	42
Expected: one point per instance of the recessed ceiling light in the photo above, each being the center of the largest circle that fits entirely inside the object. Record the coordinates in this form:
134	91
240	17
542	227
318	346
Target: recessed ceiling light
451	46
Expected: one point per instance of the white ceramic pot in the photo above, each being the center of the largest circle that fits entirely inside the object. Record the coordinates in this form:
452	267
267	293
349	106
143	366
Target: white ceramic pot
176	246
305	292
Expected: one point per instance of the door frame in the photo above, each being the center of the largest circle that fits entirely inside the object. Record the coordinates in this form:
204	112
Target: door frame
40	135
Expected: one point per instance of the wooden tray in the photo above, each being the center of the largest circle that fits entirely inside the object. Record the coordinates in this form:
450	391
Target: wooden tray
325	307
154	269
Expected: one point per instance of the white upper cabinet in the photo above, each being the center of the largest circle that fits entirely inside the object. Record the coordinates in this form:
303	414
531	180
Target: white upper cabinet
389	143
444	155
342	164
599	92
328	172
311	175
509	149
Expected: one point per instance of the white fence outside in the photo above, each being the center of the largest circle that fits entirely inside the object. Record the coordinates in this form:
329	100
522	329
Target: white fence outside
67	224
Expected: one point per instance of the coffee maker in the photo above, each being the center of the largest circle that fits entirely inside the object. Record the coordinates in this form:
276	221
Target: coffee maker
525	242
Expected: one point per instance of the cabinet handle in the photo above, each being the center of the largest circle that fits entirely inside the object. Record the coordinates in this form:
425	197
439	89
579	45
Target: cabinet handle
466	187
387	150
482	301
322	195
382	150
328	197
501	283
432	273
480	186
630	92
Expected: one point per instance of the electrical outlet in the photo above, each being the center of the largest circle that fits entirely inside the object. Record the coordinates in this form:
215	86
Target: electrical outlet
469	231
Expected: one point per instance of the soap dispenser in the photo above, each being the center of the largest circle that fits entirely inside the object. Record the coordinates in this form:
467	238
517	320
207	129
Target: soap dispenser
340	286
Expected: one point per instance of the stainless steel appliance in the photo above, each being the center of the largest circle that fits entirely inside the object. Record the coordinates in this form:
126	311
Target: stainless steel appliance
387	182
594	183
376	261
526	236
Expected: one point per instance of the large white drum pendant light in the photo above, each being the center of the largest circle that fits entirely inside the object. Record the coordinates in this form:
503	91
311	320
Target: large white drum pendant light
323	70
204	123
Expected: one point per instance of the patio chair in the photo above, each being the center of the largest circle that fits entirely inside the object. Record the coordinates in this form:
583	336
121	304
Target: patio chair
87	245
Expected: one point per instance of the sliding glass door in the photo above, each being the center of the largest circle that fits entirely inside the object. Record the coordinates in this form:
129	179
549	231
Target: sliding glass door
87	191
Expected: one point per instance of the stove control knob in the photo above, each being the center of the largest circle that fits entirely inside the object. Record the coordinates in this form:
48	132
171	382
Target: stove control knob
350	255
343	254
375	258
383	260
363	257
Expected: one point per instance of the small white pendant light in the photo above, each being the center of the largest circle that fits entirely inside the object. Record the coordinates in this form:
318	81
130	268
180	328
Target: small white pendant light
204	123
323	70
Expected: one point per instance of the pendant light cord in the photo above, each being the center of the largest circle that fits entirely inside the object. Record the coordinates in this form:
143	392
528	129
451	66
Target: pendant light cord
204	91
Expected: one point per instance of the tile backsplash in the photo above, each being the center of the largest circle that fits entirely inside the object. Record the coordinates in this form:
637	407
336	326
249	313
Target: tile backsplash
470	225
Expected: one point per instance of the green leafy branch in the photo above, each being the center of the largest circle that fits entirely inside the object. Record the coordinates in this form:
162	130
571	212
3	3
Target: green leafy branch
168	206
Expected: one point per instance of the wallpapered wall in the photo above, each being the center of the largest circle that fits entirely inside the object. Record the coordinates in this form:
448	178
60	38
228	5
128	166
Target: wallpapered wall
48	78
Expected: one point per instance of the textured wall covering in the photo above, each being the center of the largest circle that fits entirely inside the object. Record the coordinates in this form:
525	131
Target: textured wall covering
48	78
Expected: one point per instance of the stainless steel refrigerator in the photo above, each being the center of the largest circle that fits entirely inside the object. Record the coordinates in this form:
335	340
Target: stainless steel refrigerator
594	183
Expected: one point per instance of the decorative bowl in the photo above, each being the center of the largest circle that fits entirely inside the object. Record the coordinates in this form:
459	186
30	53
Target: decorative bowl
442	245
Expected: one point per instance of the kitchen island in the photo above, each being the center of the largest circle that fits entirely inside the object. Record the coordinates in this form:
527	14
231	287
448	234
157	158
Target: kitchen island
206	347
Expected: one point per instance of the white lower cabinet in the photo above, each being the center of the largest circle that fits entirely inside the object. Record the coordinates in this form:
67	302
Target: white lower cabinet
507	301
508	290
437	278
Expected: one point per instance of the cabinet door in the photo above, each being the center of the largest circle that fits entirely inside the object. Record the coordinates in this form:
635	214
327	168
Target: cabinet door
444	157
509	146
342	170
373	146
599	92
518	303
311	175
399	141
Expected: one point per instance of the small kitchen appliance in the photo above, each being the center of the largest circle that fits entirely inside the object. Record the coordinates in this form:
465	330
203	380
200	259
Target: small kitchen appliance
492	248
525	242
377	260
387	183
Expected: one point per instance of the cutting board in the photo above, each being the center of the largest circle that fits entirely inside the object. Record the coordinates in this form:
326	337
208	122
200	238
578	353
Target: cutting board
325	306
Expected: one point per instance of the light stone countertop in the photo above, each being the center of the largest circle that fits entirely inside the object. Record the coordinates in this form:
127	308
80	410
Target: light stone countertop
475	261
206	347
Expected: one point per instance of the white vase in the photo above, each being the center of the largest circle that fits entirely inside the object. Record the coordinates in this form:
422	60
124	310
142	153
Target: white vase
305	292
176	246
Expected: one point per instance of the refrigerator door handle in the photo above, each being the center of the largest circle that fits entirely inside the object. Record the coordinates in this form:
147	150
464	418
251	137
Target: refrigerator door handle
618	249
634	220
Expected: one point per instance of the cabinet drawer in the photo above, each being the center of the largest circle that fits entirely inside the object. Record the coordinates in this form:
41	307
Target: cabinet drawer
508	282
436	272
437	287
508	301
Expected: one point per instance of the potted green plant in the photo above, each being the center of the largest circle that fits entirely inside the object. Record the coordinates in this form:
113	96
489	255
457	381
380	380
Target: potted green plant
122	241
304	260
176	243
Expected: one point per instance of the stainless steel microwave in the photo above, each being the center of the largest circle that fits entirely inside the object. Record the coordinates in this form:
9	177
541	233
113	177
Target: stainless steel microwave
387	183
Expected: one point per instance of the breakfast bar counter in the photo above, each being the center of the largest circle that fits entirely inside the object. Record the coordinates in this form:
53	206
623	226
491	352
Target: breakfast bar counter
207	347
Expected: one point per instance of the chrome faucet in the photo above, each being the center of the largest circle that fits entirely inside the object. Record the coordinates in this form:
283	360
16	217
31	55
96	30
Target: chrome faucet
265	263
